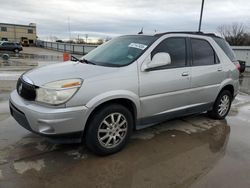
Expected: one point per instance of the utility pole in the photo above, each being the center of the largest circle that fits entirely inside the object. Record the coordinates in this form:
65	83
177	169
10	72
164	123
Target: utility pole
86	36
69	28
201	14
15	40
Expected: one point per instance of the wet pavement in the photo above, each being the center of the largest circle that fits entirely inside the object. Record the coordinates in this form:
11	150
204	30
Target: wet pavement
18	63
29	58
194	151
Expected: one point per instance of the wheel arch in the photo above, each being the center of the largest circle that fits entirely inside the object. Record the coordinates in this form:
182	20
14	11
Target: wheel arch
228	87
131	102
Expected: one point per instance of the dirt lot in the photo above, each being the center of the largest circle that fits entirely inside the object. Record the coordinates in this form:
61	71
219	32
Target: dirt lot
194	151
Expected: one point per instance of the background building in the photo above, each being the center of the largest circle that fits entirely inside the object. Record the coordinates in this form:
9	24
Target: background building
18	33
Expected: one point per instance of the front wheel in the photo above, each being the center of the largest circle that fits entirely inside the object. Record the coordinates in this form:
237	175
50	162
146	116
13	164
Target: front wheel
109	129
222	105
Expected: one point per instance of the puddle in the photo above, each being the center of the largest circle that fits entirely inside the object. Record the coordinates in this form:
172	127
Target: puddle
245	83
24	61
22	167
38	57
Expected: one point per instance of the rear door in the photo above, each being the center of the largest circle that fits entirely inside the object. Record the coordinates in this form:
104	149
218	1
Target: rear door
164	89
207	72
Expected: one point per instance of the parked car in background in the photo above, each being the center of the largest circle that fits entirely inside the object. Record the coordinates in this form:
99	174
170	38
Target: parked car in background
25	41
11	46
128	83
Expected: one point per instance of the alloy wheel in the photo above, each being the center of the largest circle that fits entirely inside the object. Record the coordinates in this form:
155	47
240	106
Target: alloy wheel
112	130
224	105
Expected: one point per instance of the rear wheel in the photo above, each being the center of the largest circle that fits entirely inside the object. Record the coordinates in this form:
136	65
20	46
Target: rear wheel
222	105
109	129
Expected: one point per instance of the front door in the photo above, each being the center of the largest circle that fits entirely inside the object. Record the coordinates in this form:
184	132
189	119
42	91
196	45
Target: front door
165	89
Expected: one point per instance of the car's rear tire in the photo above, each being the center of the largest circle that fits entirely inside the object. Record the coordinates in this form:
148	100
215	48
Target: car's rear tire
109	129
222	105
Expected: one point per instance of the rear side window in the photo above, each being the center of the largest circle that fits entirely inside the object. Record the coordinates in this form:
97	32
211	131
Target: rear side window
176	47
226	48
203	53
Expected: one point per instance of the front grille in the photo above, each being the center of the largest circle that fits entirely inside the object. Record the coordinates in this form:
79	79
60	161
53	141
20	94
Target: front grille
26	90
19	117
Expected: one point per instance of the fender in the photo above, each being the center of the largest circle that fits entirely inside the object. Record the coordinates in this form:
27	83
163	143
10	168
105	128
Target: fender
117	94
231	82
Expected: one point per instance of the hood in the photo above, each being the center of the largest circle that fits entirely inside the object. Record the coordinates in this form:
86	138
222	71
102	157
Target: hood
66	70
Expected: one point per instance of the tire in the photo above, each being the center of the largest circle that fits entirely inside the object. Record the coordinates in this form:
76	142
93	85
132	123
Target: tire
105	135
221	106
16	51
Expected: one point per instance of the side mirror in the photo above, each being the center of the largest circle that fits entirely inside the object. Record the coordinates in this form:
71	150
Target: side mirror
158	60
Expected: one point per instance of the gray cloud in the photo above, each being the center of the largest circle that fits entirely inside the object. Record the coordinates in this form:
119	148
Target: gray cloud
100	18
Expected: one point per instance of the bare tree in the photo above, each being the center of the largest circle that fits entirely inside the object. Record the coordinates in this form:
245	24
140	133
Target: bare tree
235	34
100	41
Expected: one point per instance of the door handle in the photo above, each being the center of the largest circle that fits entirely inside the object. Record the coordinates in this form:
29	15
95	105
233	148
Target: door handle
219	69
185	74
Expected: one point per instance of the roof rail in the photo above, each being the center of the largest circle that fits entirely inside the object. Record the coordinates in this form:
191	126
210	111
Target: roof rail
187	32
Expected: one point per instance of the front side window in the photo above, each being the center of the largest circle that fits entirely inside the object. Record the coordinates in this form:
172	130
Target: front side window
176	48
203	53
120	51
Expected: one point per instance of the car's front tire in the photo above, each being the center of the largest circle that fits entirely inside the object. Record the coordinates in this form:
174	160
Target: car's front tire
109	129
222	105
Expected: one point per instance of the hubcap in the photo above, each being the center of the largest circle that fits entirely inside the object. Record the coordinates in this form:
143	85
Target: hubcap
224	105
112	130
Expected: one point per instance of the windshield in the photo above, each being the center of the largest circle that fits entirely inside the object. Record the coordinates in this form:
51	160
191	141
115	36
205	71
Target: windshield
120	51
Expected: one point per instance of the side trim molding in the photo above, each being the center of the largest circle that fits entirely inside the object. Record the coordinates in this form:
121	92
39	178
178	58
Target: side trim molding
171	114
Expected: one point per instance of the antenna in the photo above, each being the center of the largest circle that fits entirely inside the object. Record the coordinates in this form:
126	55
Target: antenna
201	14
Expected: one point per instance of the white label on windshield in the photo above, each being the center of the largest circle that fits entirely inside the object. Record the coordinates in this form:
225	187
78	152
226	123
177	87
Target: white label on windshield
137	45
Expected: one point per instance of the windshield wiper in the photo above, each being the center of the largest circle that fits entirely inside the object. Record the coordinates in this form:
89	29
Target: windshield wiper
86	61
73	58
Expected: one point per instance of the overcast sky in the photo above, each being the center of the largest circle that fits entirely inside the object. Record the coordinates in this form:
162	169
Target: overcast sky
100	18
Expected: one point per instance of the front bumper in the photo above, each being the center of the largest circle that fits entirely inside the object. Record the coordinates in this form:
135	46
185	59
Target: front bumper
47	121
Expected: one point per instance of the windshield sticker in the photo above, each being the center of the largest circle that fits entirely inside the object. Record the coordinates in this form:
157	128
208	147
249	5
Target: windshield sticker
137	45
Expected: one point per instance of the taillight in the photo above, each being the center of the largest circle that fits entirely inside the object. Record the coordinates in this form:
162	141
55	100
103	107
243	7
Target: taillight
237	64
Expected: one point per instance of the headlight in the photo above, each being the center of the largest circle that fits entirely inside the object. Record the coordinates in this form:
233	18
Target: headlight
58	92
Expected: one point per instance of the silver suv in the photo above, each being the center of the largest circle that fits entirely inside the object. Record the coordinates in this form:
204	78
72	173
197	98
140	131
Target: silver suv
126	84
